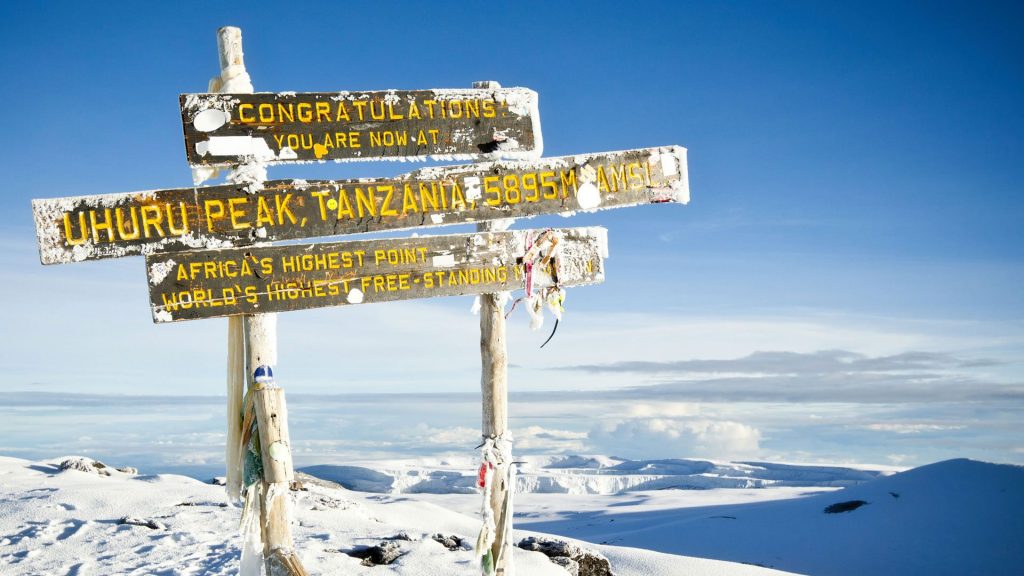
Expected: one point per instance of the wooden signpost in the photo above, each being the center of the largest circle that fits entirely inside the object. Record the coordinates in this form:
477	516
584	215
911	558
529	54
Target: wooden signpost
211	283
207	251
114	225
225	129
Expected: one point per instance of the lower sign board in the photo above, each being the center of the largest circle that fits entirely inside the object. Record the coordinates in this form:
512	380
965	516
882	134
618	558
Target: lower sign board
260	279
112	225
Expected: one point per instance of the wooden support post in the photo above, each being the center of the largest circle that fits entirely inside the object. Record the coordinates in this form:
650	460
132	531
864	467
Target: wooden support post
494	392
261	346
275	449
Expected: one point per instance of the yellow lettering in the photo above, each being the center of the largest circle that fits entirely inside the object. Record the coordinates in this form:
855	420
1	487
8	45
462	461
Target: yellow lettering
235	213
68	237
342	113
344	206
263	214
408	200
618	177
134	233
286	111
214	209
489	189
568	179
547	182
283	209
458	199
512	193
366	202
374	112
151	218
320	195
323	111
428	192
361	108
385	209
635	173
602	180
177	230
266	112
107	225
242	108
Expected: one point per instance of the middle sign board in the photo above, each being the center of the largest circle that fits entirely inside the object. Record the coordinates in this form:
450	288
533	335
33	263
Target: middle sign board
113	225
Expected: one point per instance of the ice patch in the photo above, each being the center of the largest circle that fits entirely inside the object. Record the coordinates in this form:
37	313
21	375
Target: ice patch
236	146
159	270
472	184
588	196
211	119
444	261
668	165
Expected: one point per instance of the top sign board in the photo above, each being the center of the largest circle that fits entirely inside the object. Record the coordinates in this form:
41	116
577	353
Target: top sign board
223	129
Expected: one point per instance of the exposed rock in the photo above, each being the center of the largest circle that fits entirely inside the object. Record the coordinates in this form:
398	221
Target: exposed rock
128	470
85	465
146	522
570	565
450	542
587	562
383	553
841	507
219	481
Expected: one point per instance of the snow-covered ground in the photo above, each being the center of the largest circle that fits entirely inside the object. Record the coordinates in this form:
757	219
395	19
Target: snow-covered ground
954	517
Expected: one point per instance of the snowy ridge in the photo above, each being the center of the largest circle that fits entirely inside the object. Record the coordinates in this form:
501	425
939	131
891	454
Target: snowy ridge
590	475
91	519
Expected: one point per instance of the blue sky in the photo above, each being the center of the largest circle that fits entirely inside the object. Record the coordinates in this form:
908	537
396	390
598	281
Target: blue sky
856	205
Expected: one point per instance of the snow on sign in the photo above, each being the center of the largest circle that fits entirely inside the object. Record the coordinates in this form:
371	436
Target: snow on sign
259	279
113	225
415	124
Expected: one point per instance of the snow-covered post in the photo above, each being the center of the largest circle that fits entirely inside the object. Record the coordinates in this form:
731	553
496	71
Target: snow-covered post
497	449
260	337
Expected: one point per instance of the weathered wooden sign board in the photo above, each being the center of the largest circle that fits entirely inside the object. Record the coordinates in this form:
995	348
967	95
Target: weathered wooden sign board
394	124
113	225
260	279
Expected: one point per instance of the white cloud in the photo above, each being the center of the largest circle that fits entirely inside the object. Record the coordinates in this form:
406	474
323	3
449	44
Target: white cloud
899	428
454	436
552	441
677	438
663	410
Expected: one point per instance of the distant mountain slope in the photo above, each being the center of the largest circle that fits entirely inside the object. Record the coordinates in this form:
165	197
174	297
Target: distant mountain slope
957	517
589	475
